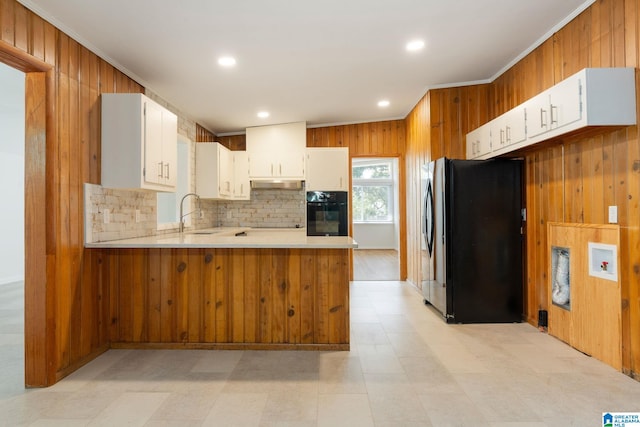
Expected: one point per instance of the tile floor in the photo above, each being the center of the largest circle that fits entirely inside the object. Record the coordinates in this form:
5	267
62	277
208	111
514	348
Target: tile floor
406	368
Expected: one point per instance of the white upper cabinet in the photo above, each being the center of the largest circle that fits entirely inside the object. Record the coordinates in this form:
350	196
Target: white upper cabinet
214	171
277	151
554	109
327	169
139	143
589	98
479	141
241	184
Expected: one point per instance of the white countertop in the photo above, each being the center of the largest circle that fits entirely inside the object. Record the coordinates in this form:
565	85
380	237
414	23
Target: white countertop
226	238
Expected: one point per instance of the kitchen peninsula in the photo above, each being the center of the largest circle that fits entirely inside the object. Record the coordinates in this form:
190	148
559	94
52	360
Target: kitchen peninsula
228	288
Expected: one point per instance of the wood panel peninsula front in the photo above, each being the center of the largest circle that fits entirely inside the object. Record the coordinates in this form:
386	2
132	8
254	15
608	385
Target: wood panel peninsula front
227	289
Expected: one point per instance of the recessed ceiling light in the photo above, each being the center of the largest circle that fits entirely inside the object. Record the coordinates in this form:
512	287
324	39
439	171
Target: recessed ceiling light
414	45
263	114
383	103
226	61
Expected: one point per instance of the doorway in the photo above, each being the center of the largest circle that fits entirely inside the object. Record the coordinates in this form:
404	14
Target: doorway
376	218
12	160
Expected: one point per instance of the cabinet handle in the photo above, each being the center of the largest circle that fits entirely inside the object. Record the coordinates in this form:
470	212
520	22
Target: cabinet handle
552	119
542	113
242	188
501	136
340	182
160	168
280	168
508	134
271	169
167	168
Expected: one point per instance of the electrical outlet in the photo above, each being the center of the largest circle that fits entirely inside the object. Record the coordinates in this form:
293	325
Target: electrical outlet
613	214
106	213
138	216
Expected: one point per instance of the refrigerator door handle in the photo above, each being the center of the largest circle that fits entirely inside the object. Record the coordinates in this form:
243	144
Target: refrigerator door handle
429	218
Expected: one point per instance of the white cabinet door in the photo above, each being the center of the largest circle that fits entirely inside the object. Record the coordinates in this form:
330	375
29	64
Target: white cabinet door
538	120
498	133
515	125
277	151
225	167
479	142
153	160
214	171
170	148
139	143
241	183
327	169
555	108
565	106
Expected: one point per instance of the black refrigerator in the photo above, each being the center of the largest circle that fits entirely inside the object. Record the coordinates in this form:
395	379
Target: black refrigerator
472	243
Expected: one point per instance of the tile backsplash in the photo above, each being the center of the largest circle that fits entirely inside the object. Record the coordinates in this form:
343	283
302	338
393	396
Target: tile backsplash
267	208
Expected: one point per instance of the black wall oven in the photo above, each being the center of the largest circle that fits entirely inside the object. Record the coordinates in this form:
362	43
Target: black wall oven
327	213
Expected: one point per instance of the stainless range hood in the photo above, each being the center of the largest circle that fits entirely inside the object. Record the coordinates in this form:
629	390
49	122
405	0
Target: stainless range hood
281	184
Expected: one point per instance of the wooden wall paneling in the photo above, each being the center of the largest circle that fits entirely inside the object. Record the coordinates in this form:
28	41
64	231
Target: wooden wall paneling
168	310
266	294
181	266
630	260
280	286
292	308
237	297
62	172
21	29
7	21
209	295
307	297
322	284
139	296
338	297
125	295
631	36
252	303
154	295
204	135
222	303
195	261
75	206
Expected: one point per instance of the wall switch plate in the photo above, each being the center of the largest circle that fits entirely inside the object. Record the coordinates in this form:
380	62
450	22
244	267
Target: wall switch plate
613	214
106	213
138	216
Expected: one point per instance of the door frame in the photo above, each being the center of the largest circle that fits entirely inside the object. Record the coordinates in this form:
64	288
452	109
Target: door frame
39	351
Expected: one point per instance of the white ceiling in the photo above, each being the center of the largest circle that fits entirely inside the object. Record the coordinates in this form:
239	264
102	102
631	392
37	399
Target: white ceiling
324	62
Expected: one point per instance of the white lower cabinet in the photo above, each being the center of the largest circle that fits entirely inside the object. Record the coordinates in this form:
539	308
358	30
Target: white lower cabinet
327	169
214	171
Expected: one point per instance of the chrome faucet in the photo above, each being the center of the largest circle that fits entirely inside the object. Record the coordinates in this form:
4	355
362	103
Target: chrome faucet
188	213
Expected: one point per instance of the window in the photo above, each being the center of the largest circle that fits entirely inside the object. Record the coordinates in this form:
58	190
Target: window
373	184
168	206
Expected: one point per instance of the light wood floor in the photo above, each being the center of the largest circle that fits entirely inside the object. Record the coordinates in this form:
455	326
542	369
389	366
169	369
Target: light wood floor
406	367
376	264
